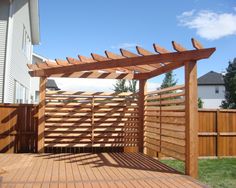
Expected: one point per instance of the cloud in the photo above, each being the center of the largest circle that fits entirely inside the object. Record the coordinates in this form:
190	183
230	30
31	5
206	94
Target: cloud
91	85
208	24
124	45
188	13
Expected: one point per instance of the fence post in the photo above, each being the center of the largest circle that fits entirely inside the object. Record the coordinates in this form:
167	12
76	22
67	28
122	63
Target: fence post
92	119
159	155
141	100
218	134
191	122
41	114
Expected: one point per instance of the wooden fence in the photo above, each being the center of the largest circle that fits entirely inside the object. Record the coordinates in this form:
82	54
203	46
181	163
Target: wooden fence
217	133
18	128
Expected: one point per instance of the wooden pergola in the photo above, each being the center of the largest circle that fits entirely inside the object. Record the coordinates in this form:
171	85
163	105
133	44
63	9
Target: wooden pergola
141	66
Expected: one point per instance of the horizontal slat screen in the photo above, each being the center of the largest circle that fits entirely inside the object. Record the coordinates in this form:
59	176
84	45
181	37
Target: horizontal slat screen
164	122
83	119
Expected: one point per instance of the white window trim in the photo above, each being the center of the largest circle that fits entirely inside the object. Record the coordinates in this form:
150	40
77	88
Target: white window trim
26	44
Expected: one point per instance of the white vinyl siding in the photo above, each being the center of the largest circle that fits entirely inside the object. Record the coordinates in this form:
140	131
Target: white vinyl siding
211	95
4	13
20	56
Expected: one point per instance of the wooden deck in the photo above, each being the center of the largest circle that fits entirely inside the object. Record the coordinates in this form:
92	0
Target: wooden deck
88	170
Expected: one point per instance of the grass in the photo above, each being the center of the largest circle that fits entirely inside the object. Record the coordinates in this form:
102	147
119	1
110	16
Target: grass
214	172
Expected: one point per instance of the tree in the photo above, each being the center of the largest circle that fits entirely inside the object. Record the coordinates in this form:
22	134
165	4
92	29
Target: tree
132	86
230	86
200	103
120	86
168	80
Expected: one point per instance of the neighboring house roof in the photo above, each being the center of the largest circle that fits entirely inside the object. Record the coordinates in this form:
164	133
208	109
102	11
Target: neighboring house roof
211	78
51	84
34	21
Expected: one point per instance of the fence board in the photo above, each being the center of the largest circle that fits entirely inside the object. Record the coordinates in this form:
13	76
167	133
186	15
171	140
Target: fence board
216	132
164	120
18	128
82	119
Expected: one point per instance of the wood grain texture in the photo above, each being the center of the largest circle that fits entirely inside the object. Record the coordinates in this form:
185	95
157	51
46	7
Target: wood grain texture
142	93
41	114
89	170
18	128
97	119
191	110
164	131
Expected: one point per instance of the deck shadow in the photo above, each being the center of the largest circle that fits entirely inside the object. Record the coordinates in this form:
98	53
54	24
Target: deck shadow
136	161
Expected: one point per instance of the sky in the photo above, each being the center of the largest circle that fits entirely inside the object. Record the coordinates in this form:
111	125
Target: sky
73	27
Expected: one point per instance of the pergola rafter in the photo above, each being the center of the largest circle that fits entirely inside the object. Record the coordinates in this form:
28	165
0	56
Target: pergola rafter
128	65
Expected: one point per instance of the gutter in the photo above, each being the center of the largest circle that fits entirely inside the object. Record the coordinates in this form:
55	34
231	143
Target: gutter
34	21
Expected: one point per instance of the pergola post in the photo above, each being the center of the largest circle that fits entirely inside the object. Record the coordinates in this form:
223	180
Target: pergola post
191	112
141	100
41	114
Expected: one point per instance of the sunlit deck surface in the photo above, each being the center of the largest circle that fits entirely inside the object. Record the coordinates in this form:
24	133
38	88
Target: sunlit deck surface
89	170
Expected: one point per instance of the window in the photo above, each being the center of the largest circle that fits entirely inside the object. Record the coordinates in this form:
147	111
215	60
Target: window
36	96
217	90
26	44
20	93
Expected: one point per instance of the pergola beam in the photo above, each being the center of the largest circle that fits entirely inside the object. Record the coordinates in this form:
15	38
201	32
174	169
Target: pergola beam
96	74
159	71
191	55
168	67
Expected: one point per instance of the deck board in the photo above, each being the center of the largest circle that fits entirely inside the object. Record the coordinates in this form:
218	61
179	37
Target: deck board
89	170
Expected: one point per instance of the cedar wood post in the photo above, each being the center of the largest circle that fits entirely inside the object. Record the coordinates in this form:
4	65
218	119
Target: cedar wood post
141	99
191	113
41	114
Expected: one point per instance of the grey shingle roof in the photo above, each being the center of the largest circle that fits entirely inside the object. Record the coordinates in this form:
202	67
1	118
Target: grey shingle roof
51	84
211	78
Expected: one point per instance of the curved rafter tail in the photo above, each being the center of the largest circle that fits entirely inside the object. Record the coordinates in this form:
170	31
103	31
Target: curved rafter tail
127	53
196	44
62	62
98	57
85	59
112	55
160	49
177	47
142	51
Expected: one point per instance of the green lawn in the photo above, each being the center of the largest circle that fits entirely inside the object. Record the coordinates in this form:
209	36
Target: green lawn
218	173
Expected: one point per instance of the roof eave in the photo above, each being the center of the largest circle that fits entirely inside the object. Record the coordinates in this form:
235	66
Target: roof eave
210	84
34	21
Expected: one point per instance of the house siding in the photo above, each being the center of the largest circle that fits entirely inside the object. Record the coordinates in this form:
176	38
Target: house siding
17	61
4	13
209	97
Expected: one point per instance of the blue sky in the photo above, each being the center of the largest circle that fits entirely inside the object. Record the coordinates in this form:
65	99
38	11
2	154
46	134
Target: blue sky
73	27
